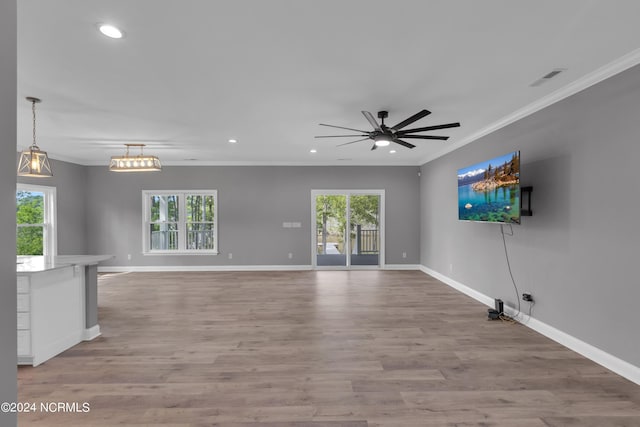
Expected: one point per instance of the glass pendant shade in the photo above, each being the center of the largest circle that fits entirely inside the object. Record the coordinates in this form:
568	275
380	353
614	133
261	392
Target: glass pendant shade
33	161
140	163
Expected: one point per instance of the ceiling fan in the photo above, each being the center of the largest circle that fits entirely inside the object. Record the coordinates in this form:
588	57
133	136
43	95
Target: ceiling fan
383	135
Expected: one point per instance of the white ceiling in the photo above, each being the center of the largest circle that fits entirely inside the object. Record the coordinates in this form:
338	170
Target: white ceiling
190	74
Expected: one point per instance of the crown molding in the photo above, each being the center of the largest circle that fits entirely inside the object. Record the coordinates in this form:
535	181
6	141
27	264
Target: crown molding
611	69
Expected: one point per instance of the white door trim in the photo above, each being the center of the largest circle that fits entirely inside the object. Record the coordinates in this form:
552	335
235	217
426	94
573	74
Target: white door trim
347	193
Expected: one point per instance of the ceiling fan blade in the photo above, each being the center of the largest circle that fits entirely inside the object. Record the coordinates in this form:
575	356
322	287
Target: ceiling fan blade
401	142
443	138
411	119
372	120
352	142
445	126
339	136
342	127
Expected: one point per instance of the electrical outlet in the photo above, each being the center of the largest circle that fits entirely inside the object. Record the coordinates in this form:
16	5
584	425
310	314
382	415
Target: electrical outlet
404	254
527	297
230	255
129	257
290	255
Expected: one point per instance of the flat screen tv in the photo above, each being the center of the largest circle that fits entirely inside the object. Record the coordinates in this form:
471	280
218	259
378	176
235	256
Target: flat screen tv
489	191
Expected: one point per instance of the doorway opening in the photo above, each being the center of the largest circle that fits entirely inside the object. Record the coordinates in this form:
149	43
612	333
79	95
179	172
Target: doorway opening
349	228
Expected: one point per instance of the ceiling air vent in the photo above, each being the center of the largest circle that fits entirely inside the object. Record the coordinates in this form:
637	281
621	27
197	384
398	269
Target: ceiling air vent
551	74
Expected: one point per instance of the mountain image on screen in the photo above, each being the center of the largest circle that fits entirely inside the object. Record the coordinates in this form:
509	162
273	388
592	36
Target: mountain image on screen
489	191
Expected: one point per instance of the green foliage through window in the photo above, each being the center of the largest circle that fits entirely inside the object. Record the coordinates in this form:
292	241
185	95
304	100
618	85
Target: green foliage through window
182	221
30	223
331	218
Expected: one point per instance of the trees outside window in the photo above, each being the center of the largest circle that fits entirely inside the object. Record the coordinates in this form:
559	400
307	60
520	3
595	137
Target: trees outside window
331	219
180	222
35	220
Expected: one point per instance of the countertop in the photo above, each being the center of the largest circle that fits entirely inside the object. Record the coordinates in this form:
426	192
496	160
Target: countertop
38	264
82	259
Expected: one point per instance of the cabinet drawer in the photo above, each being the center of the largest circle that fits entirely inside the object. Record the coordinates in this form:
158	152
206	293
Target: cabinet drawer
23	285
23	302
24	321
24	342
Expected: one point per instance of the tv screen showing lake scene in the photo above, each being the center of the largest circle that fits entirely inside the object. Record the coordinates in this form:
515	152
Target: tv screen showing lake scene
490	191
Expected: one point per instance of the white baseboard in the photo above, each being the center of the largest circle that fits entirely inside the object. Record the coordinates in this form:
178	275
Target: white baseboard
163	268
459	286
91	333
619	366
401	267
25	360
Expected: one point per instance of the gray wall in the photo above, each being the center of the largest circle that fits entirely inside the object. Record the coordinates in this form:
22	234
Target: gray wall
578	253
253	202
8	79
70	181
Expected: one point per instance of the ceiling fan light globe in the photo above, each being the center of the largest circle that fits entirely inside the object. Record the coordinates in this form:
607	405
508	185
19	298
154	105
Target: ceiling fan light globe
382	142
111	31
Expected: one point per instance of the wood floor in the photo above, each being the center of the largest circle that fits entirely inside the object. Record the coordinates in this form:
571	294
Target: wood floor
316	349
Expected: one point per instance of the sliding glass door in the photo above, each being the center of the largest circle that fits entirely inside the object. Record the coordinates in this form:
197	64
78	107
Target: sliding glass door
348	228
331	221
364	226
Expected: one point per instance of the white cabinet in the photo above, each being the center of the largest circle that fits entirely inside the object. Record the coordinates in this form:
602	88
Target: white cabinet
24	303
23	285
24	348
24	317
50	313
24	321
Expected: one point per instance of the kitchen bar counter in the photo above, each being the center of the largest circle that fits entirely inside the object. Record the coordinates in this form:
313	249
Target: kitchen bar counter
37	264
82	259
57	304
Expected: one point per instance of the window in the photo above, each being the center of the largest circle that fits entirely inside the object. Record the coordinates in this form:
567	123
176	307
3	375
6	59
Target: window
35	220
180	222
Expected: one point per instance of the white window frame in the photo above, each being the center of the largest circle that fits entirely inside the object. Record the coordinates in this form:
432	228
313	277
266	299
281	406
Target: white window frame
182	222
49	227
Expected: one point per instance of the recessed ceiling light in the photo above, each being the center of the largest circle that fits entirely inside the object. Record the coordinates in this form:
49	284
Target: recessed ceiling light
110	31
313	150
233	141
392	151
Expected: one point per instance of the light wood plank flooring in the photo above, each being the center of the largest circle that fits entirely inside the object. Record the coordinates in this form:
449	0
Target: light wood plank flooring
316	349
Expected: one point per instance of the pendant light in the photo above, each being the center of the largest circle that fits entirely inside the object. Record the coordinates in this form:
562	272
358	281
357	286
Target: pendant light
133	163
33	161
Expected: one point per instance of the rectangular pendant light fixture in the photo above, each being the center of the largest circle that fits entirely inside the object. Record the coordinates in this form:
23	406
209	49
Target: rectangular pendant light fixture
135	163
